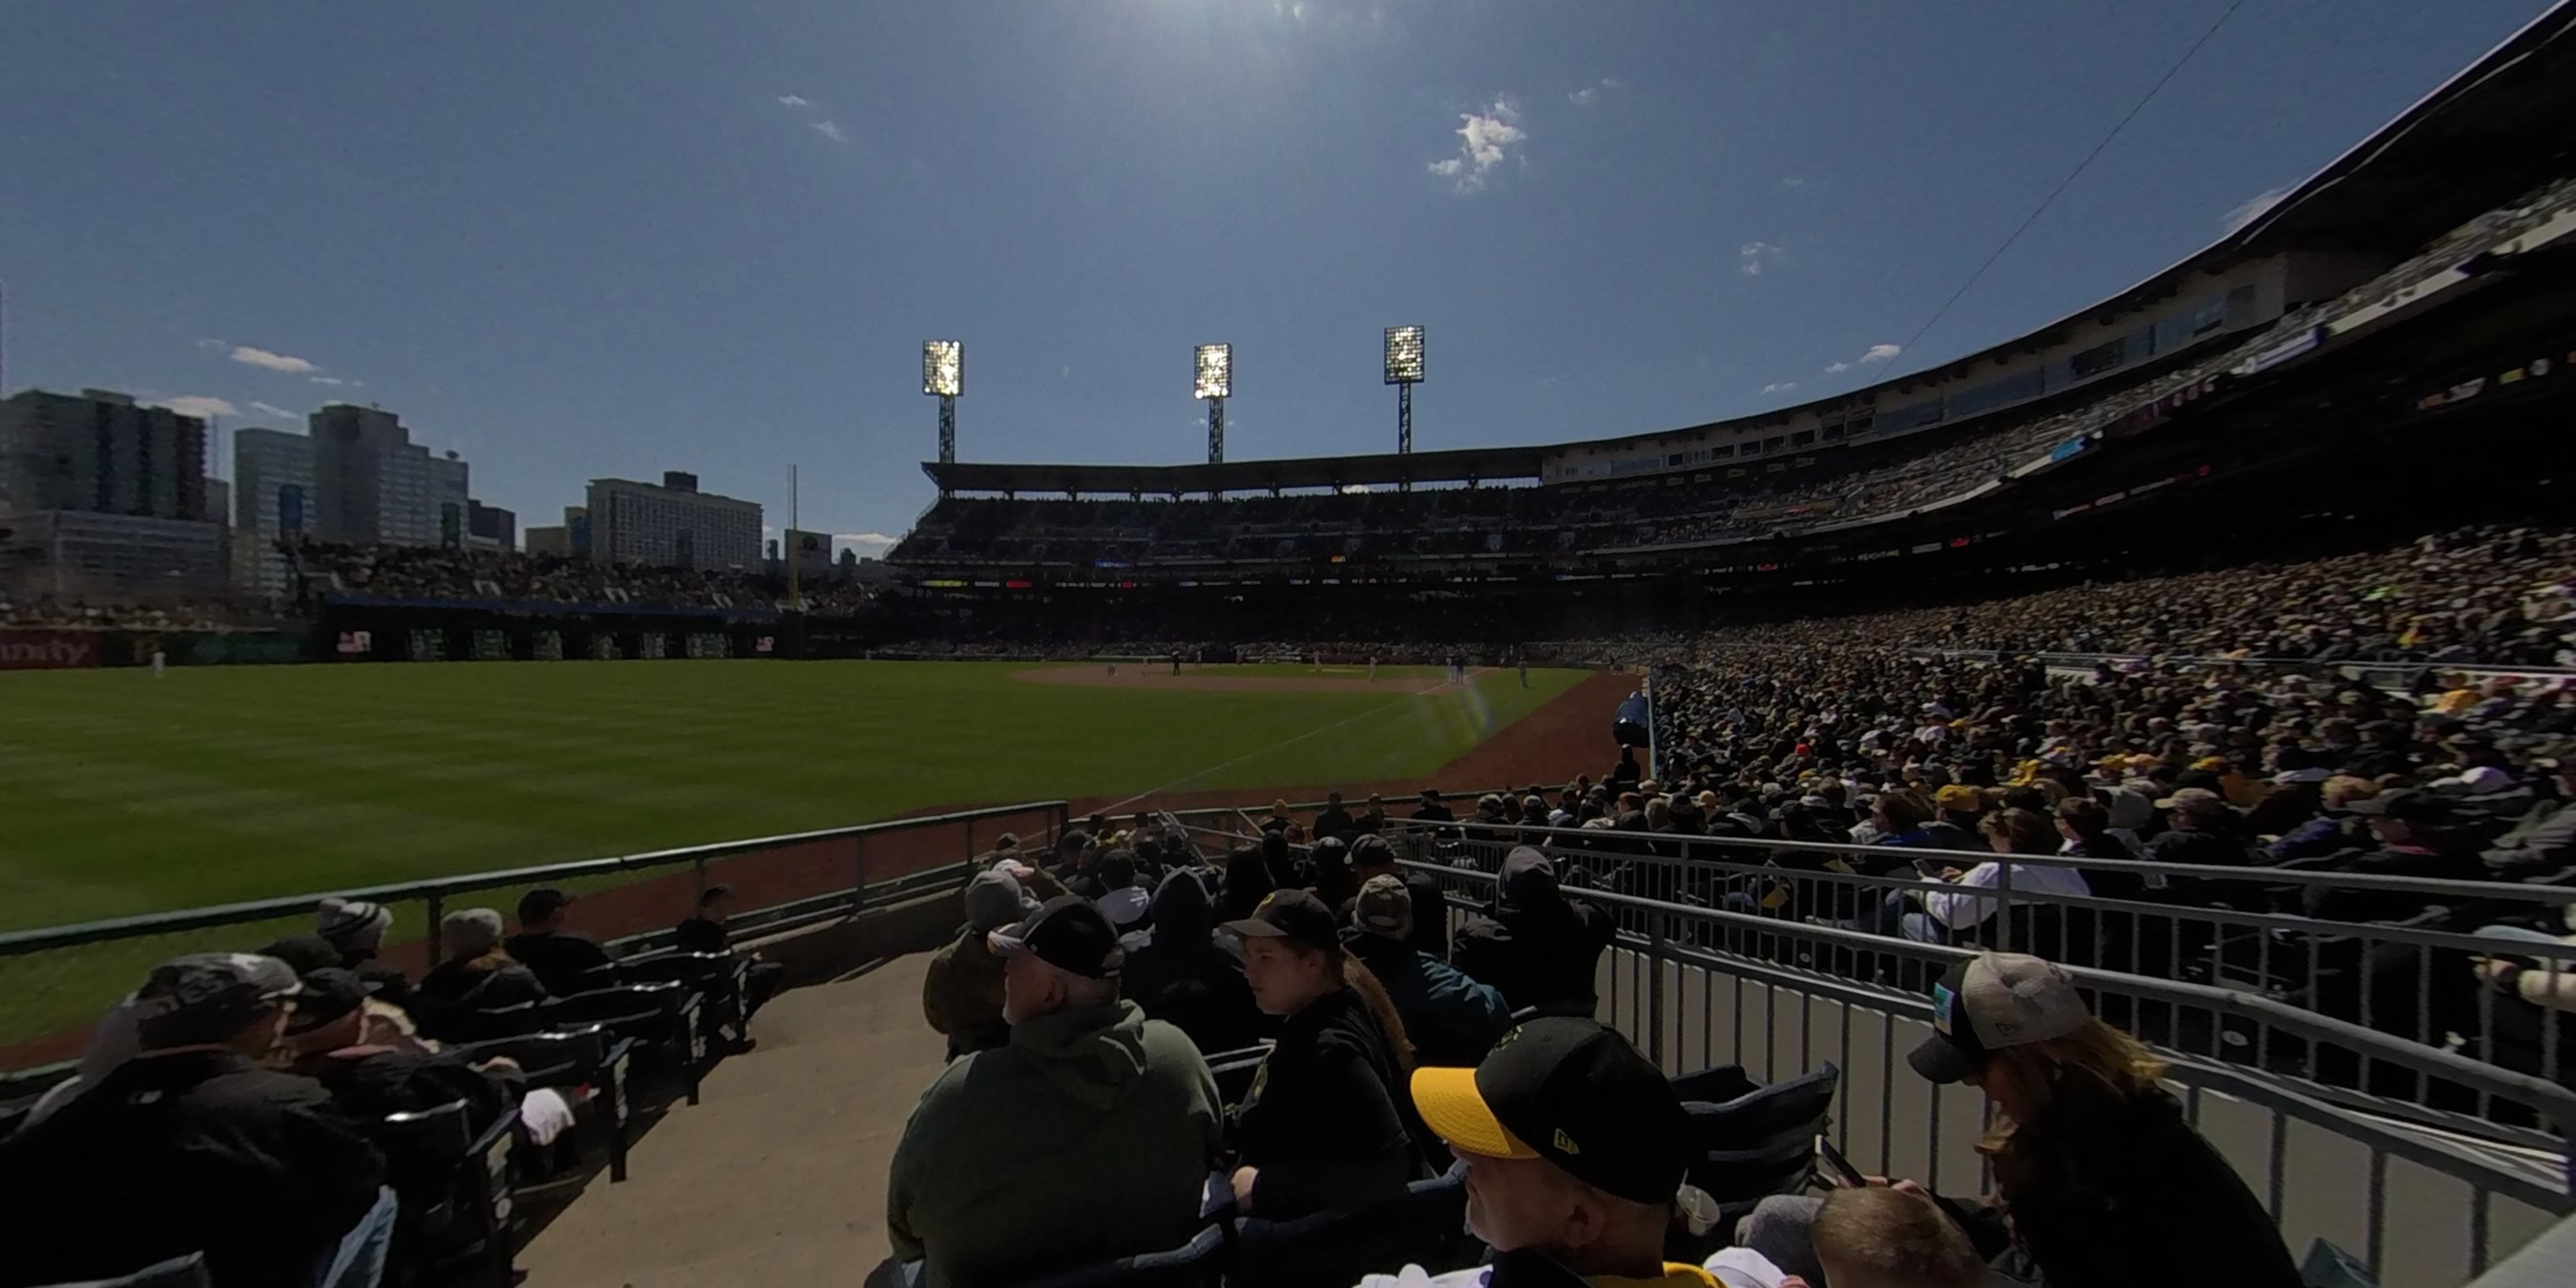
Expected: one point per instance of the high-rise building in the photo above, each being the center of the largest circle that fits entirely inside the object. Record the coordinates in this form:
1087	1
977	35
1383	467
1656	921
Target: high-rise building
489	527
98	451
372	485
672	526
555	540
272	497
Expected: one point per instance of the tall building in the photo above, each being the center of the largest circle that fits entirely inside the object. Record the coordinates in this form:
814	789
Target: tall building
555	540
272	496
673	525
489	527
372	485
108	498
97	451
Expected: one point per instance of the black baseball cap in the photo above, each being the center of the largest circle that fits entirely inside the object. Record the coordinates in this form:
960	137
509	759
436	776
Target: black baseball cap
1067	932
543	902
329	993
1571	1092
1372	851
1295	915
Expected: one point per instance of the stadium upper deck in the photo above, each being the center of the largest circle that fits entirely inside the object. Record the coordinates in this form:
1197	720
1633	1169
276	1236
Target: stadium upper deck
2410	221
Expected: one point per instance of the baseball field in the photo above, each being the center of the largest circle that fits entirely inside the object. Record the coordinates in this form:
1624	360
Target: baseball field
123	794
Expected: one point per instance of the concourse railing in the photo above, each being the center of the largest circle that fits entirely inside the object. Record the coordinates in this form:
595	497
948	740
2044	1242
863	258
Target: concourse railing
2414	1202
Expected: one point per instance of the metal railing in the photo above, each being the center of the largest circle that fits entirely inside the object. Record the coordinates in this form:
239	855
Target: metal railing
2208	925
63	977
2415	1203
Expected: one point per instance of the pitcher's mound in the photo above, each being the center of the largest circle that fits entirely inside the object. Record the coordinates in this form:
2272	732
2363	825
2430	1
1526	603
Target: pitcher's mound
1216	680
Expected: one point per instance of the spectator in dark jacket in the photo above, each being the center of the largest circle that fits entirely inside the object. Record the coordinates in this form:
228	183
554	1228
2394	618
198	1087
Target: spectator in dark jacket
1452	1020
2543	841
961	992
2335	829
1328	1121
2414	838
478	975
1535	947
1334	821
563	961
1375	857
705	932
2097	1173
1247	882
192	1146
326	1037
1182	978
1432	811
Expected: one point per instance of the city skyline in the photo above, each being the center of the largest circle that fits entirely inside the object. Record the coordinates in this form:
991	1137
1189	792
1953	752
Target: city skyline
1608	223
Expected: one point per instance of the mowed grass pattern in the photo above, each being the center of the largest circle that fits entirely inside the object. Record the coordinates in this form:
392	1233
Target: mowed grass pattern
121	794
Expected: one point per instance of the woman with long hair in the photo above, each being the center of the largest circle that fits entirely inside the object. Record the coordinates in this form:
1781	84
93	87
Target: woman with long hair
1329	1120
2098	1178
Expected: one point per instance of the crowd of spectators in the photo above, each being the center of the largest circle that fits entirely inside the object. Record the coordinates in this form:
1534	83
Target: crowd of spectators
76	613
470	575
237	1105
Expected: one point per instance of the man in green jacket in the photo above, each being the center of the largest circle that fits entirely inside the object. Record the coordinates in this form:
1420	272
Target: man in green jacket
1090	1135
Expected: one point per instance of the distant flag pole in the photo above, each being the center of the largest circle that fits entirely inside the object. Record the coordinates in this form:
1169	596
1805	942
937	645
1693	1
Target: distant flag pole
788	546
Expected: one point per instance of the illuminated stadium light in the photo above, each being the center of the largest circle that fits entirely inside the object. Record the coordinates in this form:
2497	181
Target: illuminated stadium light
1215	371
1212	378
1404	355
943	367
943	373
1404	371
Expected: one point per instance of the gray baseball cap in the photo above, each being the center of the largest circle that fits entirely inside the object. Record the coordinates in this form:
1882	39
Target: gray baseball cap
1993	1001
208	997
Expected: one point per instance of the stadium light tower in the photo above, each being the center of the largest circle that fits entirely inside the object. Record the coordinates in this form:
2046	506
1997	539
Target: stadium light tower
943	373
1404	371
1212	379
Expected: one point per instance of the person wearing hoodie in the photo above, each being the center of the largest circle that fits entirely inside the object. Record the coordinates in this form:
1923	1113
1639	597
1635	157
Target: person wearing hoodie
1535	947
1183	978
1453	1020
1247	882
961	991
999	1176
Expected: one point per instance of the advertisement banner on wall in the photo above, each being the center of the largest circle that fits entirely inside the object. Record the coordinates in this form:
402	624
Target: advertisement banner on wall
48	650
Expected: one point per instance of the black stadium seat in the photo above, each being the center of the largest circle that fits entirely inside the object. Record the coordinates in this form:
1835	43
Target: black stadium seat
1749	1140
1201	1261
572	1059
662	1019
1337	1246
453	1184
178	1272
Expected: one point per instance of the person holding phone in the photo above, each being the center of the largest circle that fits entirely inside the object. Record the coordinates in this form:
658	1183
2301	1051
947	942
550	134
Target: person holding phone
2098	1177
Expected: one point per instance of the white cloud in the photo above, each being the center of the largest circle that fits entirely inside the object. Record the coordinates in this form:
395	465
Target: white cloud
216	345
830	131
1838	366
2246	211
272	409
1485	141
333	381
1753	256
794	100
1591	94
1780	387
1881	352
876	541
198	405
1793	181
250	356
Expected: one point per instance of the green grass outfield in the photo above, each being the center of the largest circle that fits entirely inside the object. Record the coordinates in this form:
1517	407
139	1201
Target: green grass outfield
122	794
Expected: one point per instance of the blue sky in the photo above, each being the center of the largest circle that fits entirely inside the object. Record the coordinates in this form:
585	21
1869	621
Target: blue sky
580	238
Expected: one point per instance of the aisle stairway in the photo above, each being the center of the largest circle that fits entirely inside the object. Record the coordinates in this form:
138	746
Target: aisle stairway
779	1176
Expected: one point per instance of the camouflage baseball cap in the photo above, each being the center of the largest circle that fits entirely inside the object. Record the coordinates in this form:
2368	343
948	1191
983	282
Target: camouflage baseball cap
207	997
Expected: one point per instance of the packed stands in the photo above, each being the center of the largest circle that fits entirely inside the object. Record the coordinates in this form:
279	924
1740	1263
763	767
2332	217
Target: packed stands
47	612
438	575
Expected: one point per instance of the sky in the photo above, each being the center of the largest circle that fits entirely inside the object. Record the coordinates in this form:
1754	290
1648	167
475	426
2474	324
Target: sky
588	238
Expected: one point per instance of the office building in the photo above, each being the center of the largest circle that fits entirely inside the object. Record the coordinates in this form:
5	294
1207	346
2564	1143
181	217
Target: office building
272	497
554	540
87	554
489	527
673	525
372	485
97	451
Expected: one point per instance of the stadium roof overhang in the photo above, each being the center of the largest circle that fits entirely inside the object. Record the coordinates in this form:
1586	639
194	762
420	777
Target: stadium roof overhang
1473	465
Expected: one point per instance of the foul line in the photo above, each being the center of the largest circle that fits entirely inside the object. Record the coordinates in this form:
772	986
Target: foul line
1285	742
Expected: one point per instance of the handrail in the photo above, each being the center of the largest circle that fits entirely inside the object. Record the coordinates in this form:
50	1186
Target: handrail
2558	1102
20	942
2507	890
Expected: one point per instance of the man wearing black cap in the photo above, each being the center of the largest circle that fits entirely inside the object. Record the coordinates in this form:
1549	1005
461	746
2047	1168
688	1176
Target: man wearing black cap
1374	856
561	960
1088	1136
1575	1146
2417	837
192	1145
1536	946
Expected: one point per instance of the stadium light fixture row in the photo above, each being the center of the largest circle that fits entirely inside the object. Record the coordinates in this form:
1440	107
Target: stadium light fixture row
1404	355
943	367
1214	371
